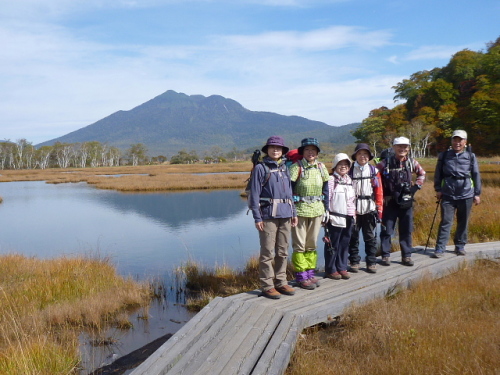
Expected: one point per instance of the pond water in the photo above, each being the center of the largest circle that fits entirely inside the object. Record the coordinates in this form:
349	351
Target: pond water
146	235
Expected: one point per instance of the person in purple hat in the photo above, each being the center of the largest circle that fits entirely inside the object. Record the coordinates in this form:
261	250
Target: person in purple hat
271	203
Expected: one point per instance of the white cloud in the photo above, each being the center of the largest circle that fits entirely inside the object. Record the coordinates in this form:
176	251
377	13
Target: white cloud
327	39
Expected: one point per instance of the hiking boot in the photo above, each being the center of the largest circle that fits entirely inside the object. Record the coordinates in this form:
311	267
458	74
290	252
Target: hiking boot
303	281
333	276
371	268
286	289
460	251
385	261
271	293
438	254
407	262
354	268
307	284
312	277
344	275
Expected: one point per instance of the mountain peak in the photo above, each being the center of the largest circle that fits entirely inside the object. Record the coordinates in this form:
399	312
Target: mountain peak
174	121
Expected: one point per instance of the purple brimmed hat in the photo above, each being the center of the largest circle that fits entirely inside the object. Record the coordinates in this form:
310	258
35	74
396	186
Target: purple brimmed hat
275	140
362	146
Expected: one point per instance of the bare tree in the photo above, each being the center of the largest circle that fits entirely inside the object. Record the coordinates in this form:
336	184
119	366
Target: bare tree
42	156
63	153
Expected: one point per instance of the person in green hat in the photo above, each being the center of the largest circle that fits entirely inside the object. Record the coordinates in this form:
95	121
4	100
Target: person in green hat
310	193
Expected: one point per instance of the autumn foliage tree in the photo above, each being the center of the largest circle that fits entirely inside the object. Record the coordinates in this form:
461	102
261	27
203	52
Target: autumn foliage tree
465	94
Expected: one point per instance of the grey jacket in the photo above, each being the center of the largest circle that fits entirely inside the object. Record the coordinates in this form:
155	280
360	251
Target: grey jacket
457	176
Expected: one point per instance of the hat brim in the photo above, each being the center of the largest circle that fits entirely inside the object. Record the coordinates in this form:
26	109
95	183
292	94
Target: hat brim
301	149
284	148
353	156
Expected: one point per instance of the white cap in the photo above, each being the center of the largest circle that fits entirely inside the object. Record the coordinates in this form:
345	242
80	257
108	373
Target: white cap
339	157
401	141
460	133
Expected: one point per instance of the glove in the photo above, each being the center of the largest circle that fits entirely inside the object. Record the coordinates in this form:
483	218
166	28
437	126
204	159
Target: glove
415	188
326	217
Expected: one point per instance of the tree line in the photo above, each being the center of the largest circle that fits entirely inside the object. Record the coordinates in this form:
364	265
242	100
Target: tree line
23	155
465	94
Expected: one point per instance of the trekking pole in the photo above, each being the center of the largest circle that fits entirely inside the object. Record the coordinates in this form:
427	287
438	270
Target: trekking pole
432	225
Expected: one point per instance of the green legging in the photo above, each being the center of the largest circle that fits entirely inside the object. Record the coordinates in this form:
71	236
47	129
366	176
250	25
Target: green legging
304	261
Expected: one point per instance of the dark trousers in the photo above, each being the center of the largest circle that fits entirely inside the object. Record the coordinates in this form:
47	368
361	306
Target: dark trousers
366	223
404	216
462	207
336	260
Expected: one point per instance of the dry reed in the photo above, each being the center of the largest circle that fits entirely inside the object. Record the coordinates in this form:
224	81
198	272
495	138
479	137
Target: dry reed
142	178
446	326
44	304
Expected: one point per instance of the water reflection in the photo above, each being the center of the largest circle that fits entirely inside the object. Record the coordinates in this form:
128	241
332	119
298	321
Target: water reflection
145	234
175	210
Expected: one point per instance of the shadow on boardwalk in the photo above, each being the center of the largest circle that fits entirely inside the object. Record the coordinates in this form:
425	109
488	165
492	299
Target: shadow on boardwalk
244	334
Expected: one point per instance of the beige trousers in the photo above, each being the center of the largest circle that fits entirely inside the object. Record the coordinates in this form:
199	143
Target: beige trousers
305	234
274	243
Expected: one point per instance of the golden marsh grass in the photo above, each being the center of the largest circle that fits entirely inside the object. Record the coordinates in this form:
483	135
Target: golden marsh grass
446	326
142	178
45	304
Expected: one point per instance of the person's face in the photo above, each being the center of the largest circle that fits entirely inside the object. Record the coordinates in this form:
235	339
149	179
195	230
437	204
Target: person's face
401	150
458	144
342	167
274	152
310	153
362	157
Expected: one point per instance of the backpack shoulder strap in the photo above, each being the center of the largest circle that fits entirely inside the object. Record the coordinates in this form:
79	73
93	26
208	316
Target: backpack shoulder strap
267	171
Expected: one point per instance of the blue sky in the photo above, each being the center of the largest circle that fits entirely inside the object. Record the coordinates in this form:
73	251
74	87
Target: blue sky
65	64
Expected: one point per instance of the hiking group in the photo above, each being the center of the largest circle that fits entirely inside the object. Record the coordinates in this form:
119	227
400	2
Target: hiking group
292	195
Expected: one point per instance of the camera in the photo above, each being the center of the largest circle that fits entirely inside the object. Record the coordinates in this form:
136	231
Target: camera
406	194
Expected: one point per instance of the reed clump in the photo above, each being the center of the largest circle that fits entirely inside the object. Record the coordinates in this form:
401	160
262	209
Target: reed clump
446	326
204	283
45	304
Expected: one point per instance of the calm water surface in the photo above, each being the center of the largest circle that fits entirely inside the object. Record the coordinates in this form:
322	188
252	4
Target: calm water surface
145	234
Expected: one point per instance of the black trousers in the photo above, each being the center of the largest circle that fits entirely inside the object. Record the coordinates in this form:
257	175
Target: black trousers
366	223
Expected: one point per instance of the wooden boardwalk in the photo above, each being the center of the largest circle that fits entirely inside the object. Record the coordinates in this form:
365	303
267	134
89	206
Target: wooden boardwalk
244	334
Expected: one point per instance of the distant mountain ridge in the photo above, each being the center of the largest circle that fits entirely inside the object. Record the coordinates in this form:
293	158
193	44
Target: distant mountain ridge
175	121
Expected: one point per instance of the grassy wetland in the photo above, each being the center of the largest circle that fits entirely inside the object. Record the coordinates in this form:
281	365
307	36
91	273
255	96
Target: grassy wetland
45	304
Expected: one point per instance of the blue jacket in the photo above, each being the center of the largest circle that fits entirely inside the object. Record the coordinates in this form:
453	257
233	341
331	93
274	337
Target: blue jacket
278	186
457	176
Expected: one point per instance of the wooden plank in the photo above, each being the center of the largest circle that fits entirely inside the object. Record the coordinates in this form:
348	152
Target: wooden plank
216	355
210	336
246	361
334	306
182	339
277	354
